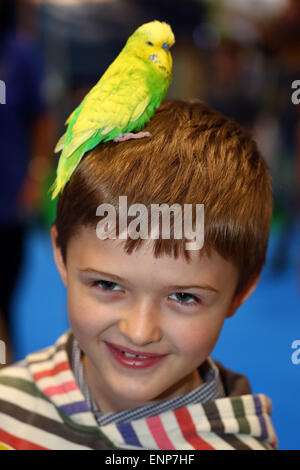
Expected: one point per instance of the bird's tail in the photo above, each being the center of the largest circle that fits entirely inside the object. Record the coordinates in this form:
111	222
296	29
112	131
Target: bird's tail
53	189
61	143
65	169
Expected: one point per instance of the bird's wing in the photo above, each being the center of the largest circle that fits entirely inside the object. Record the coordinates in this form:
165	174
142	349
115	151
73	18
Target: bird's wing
117	103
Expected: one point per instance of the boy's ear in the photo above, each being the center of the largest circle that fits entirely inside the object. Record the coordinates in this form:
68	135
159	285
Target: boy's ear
58	256
240	298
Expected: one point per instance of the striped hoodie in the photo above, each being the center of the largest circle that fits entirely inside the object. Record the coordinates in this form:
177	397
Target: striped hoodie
42	408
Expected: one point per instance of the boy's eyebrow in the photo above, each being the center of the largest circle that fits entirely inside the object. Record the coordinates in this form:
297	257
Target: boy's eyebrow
120	279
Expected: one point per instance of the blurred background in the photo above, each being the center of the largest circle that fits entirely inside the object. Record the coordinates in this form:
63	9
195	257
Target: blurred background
241	57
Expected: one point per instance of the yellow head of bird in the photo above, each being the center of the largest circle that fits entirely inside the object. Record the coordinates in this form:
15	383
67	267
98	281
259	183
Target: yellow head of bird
152	41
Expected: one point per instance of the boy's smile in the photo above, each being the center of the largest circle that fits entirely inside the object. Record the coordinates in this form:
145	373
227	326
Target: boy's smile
152	306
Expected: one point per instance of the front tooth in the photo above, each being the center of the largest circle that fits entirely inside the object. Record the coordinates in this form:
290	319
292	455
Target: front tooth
134	355
129	355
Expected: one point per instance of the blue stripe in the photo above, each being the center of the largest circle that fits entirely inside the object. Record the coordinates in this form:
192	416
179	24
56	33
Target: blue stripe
258	409
75	407
128	434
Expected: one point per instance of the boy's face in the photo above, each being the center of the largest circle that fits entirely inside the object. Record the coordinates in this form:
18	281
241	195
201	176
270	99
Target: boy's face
143	312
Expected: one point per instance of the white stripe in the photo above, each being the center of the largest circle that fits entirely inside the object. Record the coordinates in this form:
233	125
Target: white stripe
144	434
86	418
41	354
15	372
59	357
199	418
226	412
174	432
36	436
113	434
29	403
56	380
63	338
21	363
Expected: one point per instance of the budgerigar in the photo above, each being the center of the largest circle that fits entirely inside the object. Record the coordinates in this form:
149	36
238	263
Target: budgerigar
122	101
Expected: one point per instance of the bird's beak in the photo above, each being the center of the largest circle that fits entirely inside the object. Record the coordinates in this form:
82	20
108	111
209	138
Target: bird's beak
153	57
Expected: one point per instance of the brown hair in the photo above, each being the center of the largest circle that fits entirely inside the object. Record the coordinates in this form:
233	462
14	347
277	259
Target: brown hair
195	155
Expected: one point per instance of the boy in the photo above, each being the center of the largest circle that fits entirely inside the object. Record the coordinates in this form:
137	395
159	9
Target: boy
134	371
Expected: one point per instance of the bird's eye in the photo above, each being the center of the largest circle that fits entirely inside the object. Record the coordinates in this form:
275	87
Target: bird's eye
150	43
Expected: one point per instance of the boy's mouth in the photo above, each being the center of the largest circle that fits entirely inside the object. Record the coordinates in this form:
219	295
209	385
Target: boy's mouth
131	359
132	353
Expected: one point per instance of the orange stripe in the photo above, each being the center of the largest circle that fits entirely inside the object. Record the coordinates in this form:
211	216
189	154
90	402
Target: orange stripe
18	444
189	431
60	367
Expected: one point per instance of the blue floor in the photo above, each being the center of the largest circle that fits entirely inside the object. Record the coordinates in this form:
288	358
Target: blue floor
256	341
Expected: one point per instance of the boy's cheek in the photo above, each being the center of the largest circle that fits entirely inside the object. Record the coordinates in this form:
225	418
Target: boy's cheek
80	310
202	337
86	316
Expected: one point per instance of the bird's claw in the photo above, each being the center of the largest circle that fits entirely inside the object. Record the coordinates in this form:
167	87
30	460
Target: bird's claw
131	135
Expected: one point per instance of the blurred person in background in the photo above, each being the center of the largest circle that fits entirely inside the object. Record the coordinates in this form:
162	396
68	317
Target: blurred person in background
249	77
282	43
25	144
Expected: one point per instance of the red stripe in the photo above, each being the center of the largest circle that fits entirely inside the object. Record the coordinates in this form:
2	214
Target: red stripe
60	367
189	431
18	444
60	389
159	434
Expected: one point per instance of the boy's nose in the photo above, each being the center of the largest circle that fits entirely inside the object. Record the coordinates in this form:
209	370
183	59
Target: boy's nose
141	325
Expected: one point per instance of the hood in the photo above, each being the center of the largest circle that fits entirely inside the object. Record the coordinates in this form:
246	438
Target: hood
239	421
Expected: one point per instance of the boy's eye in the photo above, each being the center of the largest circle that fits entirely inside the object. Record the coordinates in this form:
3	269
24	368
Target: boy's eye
105	285
183	295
